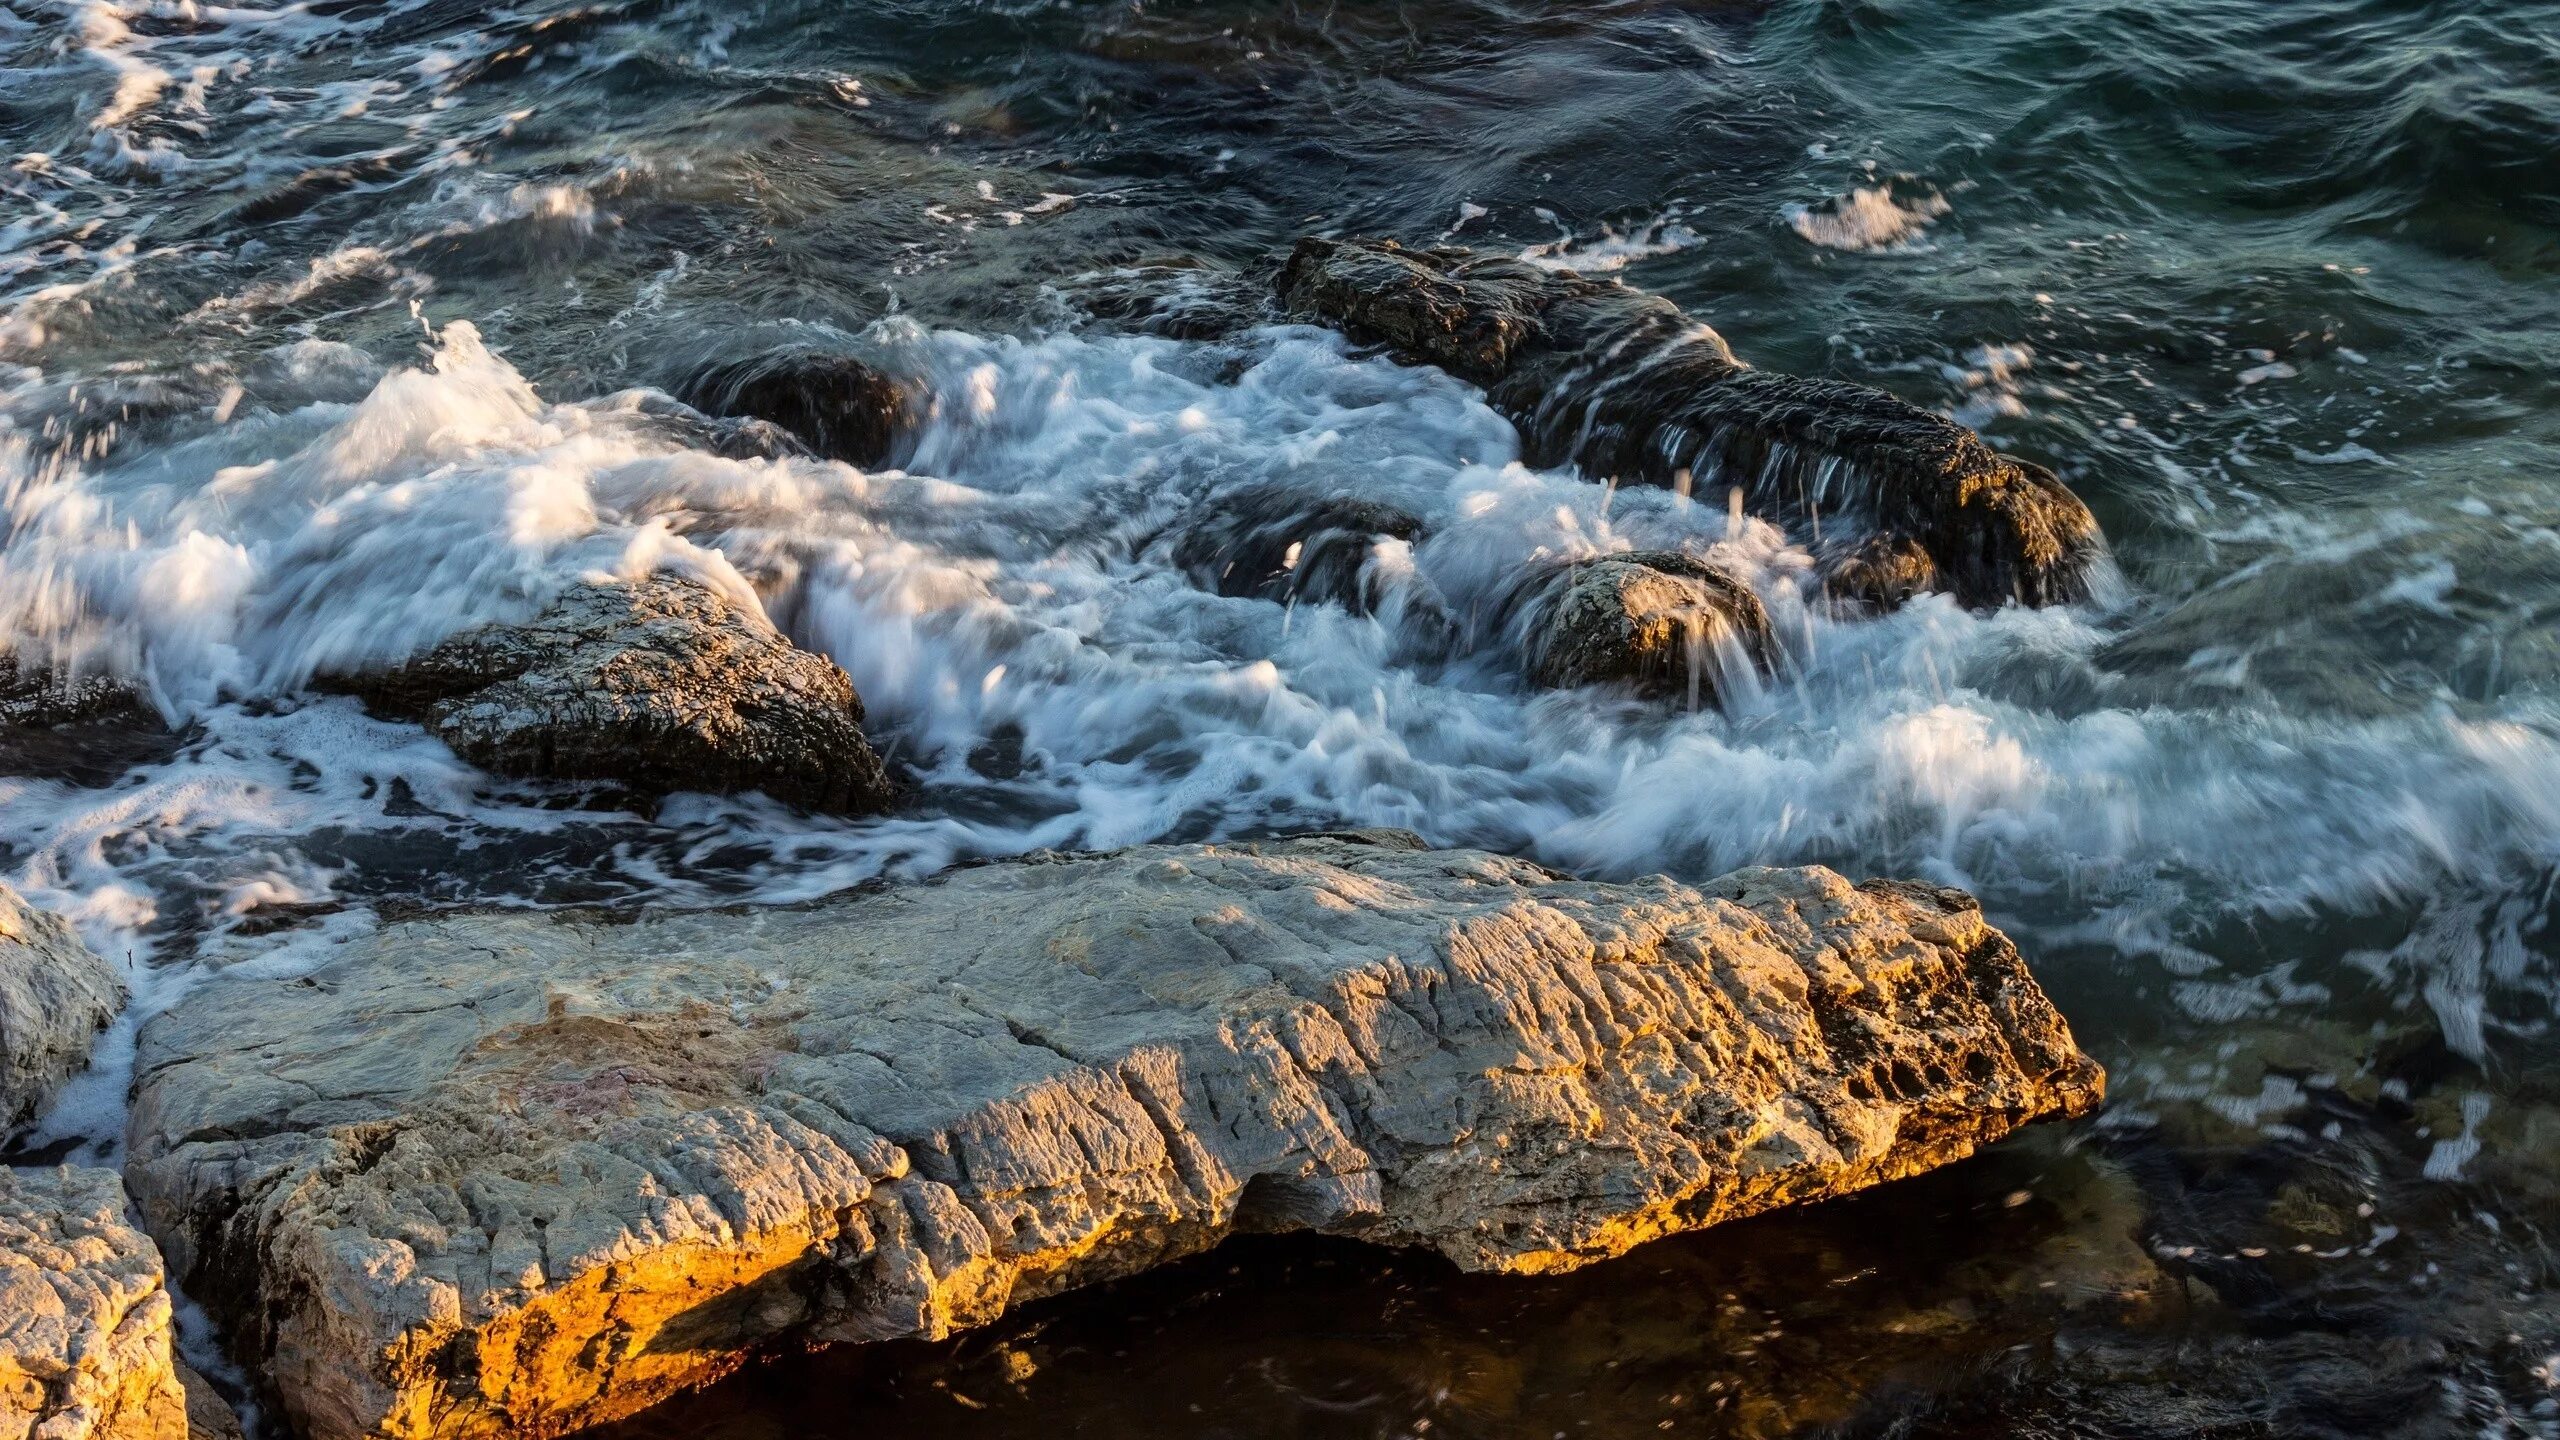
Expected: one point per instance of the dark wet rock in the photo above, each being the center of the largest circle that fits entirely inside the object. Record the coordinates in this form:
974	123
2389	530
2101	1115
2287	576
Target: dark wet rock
1668	623
662	684
39	695
840	407
1276	545
1623	384
56	994
730	436
84	728
1880	573
515	1174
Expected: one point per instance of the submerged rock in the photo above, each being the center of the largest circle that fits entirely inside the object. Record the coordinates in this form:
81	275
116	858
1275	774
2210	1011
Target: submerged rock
1173	299
85	1315
517	1174
85	728
56	994
840	407
1665	622
1288	547
1623	384
662	684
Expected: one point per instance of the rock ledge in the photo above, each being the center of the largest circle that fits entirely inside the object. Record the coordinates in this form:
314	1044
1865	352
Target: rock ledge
516	1174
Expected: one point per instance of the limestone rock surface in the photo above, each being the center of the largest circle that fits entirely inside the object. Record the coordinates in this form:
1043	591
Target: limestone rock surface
663	684
56	994
1668	623
85	1316
1624	385
514	1174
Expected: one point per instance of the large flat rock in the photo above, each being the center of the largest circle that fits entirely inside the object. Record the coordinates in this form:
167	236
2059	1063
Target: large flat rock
56	994
85	1317
516	1174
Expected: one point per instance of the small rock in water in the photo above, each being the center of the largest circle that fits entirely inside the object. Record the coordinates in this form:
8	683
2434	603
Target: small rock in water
840	407
1881	573
1288	548
517	1174
662	683
56	994
1666	622
1623	384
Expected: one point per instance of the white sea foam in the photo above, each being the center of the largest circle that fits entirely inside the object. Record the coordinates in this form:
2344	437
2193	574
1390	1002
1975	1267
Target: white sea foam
1868	218
1012	588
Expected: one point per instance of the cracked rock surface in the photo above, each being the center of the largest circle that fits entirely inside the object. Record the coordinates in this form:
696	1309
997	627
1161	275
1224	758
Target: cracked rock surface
1624	385
56	994
85	1316
515	1174
663	684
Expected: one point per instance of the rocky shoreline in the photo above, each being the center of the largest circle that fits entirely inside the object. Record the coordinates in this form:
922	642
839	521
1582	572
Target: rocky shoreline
521	1174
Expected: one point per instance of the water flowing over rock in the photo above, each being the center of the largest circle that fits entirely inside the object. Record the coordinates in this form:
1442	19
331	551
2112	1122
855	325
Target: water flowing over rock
513	1174
56	994
84	727
35	695
1622	384
1290	548
1665	622
85	1315
840	407
663	684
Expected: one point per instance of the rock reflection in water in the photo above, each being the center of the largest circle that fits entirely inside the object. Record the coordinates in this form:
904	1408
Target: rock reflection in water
1777	1326
2312	1262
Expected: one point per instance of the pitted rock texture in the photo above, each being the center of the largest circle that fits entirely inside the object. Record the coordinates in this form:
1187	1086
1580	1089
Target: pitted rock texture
85	1317
56	994
1624	385
515	1174
662	684
1667	623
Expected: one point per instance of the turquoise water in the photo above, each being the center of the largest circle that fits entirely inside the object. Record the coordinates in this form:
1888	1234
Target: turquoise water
2275	287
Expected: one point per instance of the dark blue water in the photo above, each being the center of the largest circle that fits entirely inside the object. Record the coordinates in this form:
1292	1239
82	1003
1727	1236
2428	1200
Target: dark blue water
2276	287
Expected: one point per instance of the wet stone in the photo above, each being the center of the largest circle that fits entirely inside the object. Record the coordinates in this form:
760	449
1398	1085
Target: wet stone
1275	545
840	407
663	684
1664	622
56	994
1624	385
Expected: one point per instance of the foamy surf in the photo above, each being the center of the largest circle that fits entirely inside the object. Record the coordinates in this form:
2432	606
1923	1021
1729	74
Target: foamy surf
1010	593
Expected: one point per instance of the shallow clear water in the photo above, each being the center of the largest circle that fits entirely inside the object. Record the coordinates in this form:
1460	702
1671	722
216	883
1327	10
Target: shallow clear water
321	329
